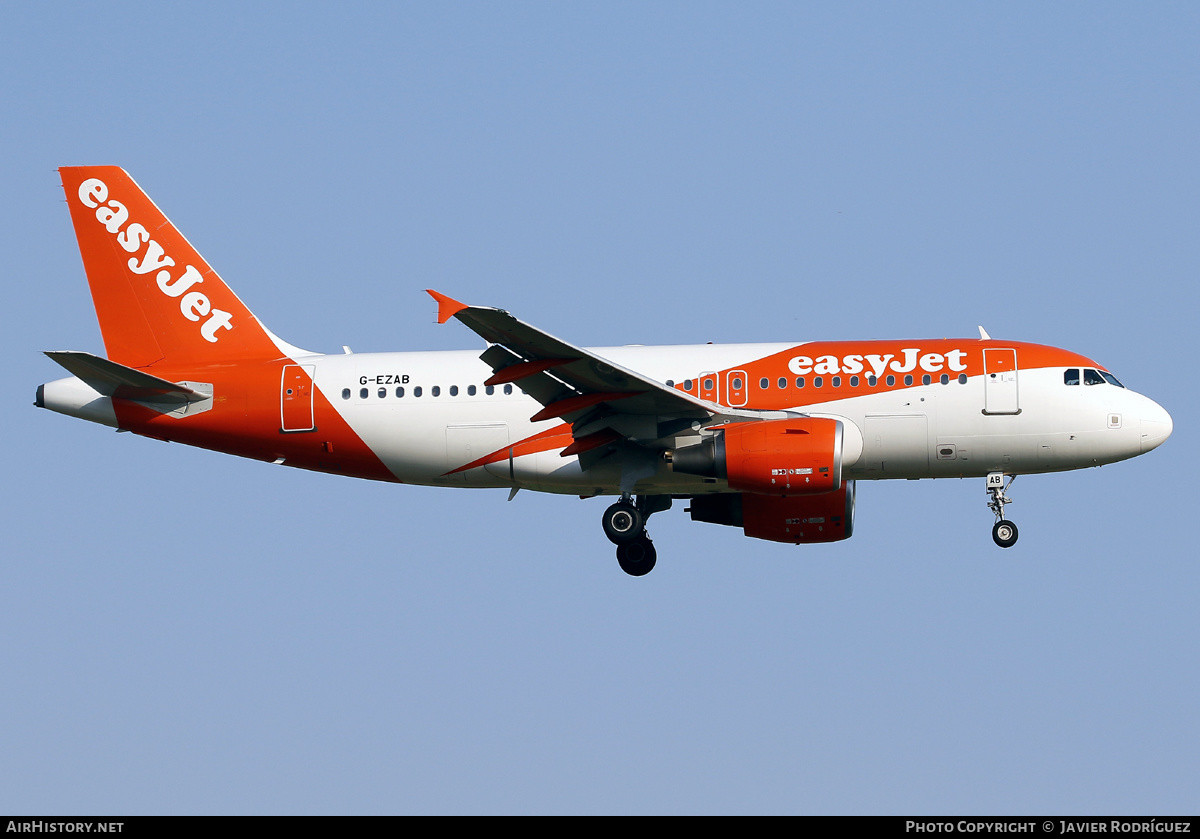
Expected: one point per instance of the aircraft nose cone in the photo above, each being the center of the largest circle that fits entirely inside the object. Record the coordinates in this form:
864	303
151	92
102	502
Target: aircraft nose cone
1156	426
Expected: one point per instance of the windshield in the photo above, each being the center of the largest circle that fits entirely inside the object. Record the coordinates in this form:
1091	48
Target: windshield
1090	377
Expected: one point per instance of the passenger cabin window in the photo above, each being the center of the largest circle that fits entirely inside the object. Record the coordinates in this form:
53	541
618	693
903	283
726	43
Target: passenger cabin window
1071	377
818	381
346	393
1092	377
470	390
508	390
854	381
399	392
489	390
362	394
454	390
782	383
945	379
417	391
763	383
799	381
872	381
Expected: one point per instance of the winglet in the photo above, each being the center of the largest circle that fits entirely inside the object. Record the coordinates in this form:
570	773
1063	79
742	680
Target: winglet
448	307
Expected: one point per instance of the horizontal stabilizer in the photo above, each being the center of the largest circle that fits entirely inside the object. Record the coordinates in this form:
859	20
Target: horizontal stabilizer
112	379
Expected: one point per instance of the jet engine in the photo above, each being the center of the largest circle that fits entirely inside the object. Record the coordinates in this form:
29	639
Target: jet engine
776	457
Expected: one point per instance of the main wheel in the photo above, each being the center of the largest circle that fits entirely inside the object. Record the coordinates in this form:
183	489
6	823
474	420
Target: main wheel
623	523
637	558
1004	533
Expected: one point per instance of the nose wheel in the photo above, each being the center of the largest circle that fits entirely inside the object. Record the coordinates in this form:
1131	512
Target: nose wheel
1004	532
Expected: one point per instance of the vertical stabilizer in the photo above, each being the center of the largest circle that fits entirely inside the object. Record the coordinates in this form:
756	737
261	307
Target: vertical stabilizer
156	298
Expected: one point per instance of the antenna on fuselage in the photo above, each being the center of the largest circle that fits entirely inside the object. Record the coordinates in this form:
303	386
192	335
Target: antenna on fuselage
983	336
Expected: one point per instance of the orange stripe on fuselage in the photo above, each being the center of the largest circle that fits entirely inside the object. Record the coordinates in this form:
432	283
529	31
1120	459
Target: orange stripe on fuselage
558	437
245	421
847	359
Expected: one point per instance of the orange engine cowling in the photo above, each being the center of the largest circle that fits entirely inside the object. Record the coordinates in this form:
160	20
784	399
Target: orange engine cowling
798	520
776	457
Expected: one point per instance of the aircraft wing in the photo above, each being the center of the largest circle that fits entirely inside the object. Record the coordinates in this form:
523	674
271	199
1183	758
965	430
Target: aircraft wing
595	395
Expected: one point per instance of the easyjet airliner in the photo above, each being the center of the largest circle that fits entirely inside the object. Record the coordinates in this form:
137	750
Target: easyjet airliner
766	437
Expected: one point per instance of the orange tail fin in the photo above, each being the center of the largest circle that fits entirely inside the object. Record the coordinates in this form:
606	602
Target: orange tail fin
155	296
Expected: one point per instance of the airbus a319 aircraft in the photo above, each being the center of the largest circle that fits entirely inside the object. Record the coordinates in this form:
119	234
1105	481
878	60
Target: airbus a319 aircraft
766	437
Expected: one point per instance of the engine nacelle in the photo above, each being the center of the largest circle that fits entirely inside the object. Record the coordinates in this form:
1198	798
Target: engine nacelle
798	520
776	457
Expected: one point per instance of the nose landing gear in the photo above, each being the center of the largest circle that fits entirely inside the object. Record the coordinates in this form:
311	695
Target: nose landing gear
625	526
1004	532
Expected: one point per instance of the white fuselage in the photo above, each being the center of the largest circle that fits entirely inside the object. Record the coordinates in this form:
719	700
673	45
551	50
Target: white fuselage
922	431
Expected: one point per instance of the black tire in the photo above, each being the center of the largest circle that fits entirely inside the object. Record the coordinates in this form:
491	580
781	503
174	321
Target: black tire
637	558
1004	533
623	523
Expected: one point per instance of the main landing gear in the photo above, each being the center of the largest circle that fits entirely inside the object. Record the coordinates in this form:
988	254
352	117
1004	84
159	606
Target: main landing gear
625	526
1004	532
638	557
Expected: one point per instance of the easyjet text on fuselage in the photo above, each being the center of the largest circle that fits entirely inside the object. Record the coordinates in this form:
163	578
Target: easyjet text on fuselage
877	364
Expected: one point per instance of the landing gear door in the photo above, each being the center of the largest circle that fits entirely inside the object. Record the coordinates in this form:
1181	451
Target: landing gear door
296	398
1000	382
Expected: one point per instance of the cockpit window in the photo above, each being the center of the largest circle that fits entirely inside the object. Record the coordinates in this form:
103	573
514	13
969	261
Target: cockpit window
1071	377
1092	377
1111	379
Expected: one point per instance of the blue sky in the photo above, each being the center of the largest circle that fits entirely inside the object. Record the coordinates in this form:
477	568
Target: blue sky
183	631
